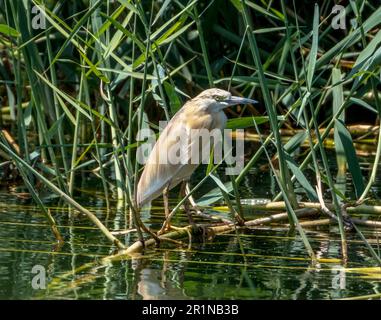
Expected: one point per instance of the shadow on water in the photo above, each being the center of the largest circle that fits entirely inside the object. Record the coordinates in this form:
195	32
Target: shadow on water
275	264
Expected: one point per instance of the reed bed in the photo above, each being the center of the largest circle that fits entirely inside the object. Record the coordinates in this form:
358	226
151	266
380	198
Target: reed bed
80	79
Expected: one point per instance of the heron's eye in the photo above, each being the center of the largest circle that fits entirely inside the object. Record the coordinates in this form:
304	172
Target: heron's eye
219	98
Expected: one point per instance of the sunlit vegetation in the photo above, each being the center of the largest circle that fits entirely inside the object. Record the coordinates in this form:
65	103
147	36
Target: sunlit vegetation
79	79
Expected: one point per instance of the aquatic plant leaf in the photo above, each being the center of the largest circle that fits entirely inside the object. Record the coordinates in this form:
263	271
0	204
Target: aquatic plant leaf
247	122
314	48
351	156
311	193
213	195
8	31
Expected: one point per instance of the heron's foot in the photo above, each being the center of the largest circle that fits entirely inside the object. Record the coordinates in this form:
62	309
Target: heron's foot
157	241
152	234
168	227
347	220
239	220
196	210
164	229
155	237
348	223
179	228
193	209
188	231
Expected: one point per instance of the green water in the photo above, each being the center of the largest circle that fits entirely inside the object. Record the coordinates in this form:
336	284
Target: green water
275	264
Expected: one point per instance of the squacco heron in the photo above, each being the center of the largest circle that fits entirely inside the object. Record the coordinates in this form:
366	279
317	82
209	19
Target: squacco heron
205	111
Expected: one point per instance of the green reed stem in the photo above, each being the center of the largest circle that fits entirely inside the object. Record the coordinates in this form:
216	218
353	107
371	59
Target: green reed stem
284	173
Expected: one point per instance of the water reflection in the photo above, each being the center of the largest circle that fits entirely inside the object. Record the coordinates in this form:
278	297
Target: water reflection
274	264
158	284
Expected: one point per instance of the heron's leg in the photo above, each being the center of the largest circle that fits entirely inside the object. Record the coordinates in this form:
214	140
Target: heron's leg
191	199
141	226
166	206
167	225
138	228
183	193
150	232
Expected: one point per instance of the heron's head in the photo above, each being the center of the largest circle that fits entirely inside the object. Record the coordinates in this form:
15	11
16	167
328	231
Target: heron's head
215	100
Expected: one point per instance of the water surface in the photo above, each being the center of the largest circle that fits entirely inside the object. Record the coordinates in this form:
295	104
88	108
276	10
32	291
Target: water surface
274	264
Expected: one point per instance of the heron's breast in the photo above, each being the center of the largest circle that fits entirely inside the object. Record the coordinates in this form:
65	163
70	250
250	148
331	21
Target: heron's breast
219	121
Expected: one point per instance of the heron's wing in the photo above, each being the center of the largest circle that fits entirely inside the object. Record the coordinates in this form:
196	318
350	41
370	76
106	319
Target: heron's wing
163	166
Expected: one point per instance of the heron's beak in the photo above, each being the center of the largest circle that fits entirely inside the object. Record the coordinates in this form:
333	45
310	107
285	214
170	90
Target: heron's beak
238	100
